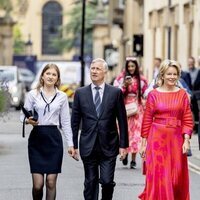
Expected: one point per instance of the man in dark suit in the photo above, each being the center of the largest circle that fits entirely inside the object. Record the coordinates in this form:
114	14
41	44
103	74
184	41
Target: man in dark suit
98	106
186	77
195	79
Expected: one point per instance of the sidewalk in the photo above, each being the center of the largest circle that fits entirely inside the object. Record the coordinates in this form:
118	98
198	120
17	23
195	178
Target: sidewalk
194	160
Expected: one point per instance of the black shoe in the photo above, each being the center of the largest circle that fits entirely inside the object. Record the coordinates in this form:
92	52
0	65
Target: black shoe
125	161
133	165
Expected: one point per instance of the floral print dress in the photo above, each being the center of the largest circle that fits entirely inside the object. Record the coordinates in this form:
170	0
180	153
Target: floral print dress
135	121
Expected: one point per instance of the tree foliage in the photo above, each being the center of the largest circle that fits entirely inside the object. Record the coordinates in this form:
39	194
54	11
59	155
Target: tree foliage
72	31
19	44
6	5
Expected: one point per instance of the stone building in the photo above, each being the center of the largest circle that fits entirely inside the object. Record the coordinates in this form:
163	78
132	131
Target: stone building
6	40
167	28
41	21
170	29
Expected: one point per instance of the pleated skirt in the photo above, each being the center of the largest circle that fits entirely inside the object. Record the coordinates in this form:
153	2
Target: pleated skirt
45	150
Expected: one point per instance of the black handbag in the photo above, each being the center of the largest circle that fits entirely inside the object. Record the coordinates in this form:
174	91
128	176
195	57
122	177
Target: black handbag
28	114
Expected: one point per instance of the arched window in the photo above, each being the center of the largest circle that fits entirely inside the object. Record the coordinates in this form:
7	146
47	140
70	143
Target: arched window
51	22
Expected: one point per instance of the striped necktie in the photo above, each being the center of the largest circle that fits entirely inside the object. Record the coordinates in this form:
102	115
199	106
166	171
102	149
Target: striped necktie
97	100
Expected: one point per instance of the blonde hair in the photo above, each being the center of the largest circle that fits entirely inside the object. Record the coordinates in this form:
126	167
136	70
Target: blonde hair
164	66
48	66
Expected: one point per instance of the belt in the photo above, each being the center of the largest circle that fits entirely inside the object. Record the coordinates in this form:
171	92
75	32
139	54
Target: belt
169	122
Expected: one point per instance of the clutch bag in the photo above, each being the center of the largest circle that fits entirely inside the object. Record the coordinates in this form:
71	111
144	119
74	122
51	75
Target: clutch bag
30	113
144	167
131	109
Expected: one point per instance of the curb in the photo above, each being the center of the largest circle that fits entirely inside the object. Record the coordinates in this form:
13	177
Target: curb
194	168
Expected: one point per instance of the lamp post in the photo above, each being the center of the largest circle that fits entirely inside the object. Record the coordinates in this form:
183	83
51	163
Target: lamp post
28	46
82	45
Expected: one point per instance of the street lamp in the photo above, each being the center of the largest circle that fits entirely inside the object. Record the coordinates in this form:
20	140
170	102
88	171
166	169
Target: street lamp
82	45
28	46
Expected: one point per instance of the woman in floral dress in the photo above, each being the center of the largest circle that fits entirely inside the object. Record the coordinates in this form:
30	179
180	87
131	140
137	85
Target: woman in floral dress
166	130
133	86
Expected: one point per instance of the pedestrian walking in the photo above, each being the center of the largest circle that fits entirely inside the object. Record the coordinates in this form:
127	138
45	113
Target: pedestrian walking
133	86
45	145
157	62
98	106
195	80
166	130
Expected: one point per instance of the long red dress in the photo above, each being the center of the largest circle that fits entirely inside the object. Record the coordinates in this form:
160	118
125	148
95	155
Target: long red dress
166	119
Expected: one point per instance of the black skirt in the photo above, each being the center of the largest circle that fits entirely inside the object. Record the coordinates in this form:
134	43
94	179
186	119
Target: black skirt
45	150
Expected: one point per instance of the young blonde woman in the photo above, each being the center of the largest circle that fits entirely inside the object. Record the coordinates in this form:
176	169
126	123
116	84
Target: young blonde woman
45	146
166	130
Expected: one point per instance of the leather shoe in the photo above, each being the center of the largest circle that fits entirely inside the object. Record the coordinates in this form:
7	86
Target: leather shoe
125	161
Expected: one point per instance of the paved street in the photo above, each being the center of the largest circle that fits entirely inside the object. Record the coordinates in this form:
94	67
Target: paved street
16	180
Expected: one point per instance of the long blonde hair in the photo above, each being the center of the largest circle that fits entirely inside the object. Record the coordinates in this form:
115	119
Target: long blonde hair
48	66
164	67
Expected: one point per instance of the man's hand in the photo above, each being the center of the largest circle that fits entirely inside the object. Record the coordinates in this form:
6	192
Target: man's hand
122	153
73	153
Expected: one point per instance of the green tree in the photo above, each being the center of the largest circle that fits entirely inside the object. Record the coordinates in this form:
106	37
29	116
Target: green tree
19	44
6	5
72	31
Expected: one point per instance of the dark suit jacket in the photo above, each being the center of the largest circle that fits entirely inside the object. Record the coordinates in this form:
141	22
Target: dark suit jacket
186	77
104	127
196	85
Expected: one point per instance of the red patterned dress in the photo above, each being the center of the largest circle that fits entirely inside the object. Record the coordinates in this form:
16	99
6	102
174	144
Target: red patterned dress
166	119
135	121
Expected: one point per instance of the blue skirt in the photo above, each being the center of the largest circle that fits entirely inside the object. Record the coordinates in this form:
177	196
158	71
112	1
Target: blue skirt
45	150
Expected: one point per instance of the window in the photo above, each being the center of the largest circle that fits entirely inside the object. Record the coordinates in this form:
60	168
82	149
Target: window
51	22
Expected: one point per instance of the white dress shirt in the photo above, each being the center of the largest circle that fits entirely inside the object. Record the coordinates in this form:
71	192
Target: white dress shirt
101	90
57	113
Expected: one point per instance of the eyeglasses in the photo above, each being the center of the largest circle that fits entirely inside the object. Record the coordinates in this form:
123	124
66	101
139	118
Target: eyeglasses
131	58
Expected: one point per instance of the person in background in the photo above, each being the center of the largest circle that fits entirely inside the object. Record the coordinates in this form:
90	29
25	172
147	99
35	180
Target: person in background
45	145
157	62
99	106
187	79
195	78
133	86
166	131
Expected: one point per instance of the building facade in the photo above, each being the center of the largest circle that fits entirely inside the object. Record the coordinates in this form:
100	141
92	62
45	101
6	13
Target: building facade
41	21
143	28
168	29
171	30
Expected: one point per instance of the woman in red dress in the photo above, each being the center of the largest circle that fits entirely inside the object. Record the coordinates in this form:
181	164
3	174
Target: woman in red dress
133	86
166	130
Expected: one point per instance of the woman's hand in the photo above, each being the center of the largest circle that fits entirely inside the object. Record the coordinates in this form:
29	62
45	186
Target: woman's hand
143	151
127	82
143	148
186	145
31	121
73	153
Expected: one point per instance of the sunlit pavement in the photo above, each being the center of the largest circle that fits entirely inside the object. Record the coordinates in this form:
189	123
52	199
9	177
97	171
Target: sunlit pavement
16	180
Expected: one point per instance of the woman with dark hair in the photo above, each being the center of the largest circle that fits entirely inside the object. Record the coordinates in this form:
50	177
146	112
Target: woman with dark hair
45	145
133	86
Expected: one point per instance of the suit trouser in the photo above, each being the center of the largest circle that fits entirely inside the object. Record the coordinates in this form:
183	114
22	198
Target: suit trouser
99	169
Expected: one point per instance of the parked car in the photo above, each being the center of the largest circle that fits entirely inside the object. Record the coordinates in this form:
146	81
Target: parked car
27	77
9	77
